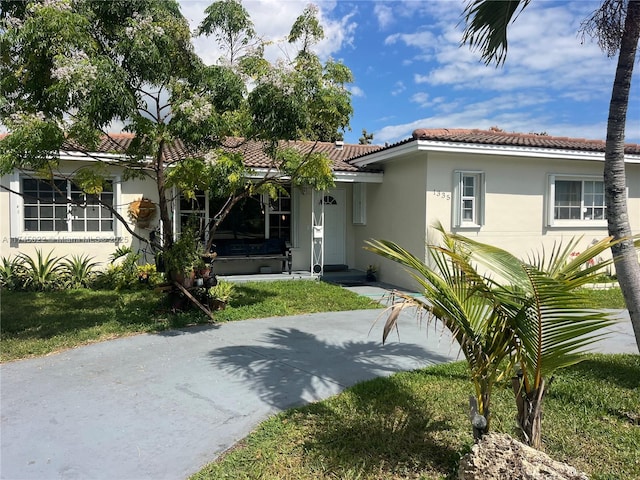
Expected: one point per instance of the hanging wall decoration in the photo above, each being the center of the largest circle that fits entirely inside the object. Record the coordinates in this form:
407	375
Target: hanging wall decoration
142	212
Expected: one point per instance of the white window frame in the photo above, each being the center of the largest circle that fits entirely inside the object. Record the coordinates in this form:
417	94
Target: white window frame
551	202
359	204
266	200
477	199
17	218
269	211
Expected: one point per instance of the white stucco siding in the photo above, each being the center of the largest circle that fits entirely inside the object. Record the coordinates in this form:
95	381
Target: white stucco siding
633	186
516	199
418	191
14	240
396	211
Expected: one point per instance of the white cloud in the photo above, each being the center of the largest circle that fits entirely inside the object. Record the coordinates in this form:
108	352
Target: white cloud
384	14
544	51
516	112
356	91
421	40
398	88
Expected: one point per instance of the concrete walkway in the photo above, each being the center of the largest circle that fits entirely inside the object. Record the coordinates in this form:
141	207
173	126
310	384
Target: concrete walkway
161	406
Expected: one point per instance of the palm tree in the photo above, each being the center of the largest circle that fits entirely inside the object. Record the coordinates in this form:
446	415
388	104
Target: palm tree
516	318
616	24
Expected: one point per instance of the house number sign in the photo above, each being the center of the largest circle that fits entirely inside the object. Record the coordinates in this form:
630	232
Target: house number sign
440	194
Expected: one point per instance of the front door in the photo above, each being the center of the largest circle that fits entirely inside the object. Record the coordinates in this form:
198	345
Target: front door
334	227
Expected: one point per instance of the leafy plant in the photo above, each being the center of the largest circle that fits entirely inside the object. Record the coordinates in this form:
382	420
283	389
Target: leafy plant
11	273
78	271
122	272
120	252
510	317
223	291
148	274
185	255
42	272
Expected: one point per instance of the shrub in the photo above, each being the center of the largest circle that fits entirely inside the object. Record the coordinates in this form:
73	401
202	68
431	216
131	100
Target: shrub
78	271
124	273
42	273
12	273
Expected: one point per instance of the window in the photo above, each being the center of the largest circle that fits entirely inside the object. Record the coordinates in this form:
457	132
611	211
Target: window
279	220
576	200
468	199
359	204
193	211
252	218
45	207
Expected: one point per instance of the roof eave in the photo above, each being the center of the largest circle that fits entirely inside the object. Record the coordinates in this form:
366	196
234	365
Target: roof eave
340	177
484	149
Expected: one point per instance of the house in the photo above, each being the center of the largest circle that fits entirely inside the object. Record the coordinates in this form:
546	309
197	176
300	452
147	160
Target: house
516	191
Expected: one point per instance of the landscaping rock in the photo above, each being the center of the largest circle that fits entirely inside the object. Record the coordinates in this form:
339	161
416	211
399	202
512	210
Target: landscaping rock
500	456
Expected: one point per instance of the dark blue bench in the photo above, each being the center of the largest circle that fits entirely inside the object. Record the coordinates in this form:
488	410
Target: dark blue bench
248	250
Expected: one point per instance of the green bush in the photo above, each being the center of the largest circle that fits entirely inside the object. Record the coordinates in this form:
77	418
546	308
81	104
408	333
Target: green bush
42	273
124	273
11	273
78	271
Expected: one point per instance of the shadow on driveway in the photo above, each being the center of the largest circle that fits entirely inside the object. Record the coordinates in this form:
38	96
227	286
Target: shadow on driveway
292	367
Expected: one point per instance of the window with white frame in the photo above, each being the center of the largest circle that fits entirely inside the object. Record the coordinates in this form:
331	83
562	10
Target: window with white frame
46	208
575	200
252	218
193	211
468	199
279	219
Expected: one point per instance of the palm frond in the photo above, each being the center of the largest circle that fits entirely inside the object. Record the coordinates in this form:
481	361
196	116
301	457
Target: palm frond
486	26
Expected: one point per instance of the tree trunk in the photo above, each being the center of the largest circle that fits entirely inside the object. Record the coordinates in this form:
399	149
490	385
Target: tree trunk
163	202
626	258
529	416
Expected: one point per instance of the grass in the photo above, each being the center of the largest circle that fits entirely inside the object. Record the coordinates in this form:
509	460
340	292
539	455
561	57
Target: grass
39	323
414	425
602	298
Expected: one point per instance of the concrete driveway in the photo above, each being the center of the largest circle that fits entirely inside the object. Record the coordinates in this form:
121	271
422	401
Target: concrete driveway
161	406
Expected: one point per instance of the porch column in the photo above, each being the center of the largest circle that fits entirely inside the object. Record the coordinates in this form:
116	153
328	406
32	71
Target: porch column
317	233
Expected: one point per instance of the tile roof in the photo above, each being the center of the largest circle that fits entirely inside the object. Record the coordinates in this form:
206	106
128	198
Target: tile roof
342	155
339	154
495	137
252	150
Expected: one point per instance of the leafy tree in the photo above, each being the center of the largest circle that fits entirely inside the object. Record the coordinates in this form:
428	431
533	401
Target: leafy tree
366	137
511	318
616	24
231	26
73	67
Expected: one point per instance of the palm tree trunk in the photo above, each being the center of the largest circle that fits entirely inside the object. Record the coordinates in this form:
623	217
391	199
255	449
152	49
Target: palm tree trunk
627	265
529	415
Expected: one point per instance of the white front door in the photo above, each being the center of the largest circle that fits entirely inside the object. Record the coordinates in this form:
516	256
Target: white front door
334	227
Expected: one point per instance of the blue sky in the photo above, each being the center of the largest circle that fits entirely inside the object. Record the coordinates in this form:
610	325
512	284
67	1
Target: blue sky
410	71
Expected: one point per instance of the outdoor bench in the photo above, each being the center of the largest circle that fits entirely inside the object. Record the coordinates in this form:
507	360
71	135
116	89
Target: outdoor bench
240	250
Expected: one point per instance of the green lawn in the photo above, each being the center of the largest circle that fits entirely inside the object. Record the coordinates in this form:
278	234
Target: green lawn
38	323
415	425
412	425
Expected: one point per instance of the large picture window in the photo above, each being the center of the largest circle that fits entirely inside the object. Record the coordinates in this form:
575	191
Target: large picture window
257	217
576	200
46	209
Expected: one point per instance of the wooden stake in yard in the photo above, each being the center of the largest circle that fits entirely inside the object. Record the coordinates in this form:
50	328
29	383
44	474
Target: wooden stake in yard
194	300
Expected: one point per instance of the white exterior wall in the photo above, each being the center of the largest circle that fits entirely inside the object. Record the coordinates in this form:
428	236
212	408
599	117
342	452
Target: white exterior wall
73	243
516	202
417	192
396	211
